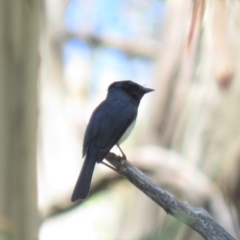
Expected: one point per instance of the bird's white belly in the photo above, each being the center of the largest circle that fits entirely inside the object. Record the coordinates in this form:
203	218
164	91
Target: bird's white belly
127	132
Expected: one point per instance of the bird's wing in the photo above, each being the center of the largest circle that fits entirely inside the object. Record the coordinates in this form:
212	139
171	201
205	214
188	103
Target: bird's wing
108	123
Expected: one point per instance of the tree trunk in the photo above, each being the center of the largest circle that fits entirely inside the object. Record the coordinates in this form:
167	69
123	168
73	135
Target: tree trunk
19	61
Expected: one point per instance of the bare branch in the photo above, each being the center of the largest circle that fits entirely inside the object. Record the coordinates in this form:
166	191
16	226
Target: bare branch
196	218
134	46
64	205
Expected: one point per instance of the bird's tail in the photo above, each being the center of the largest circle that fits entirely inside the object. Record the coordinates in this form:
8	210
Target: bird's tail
84	180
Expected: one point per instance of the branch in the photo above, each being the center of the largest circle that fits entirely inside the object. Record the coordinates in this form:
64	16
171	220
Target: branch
64	205
137	47
196	218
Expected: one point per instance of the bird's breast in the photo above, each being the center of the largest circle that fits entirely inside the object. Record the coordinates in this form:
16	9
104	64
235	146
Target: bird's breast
127	132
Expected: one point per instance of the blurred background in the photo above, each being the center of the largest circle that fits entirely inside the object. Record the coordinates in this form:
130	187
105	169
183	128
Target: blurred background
57	60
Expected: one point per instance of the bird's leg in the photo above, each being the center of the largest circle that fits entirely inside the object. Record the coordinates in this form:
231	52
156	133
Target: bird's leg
123	154
106	164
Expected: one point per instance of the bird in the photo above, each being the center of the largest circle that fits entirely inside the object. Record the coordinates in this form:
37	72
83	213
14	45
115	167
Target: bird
110	124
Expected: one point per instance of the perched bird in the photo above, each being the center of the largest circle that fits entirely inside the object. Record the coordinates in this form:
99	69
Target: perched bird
110	124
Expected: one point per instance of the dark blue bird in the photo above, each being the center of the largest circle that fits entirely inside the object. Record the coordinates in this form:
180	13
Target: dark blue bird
110	124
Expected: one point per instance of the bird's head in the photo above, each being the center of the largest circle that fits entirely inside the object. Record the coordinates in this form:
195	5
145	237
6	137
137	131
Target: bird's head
133	89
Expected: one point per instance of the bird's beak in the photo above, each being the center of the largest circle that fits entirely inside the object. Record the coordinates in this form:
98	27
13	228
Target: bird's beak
147	90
